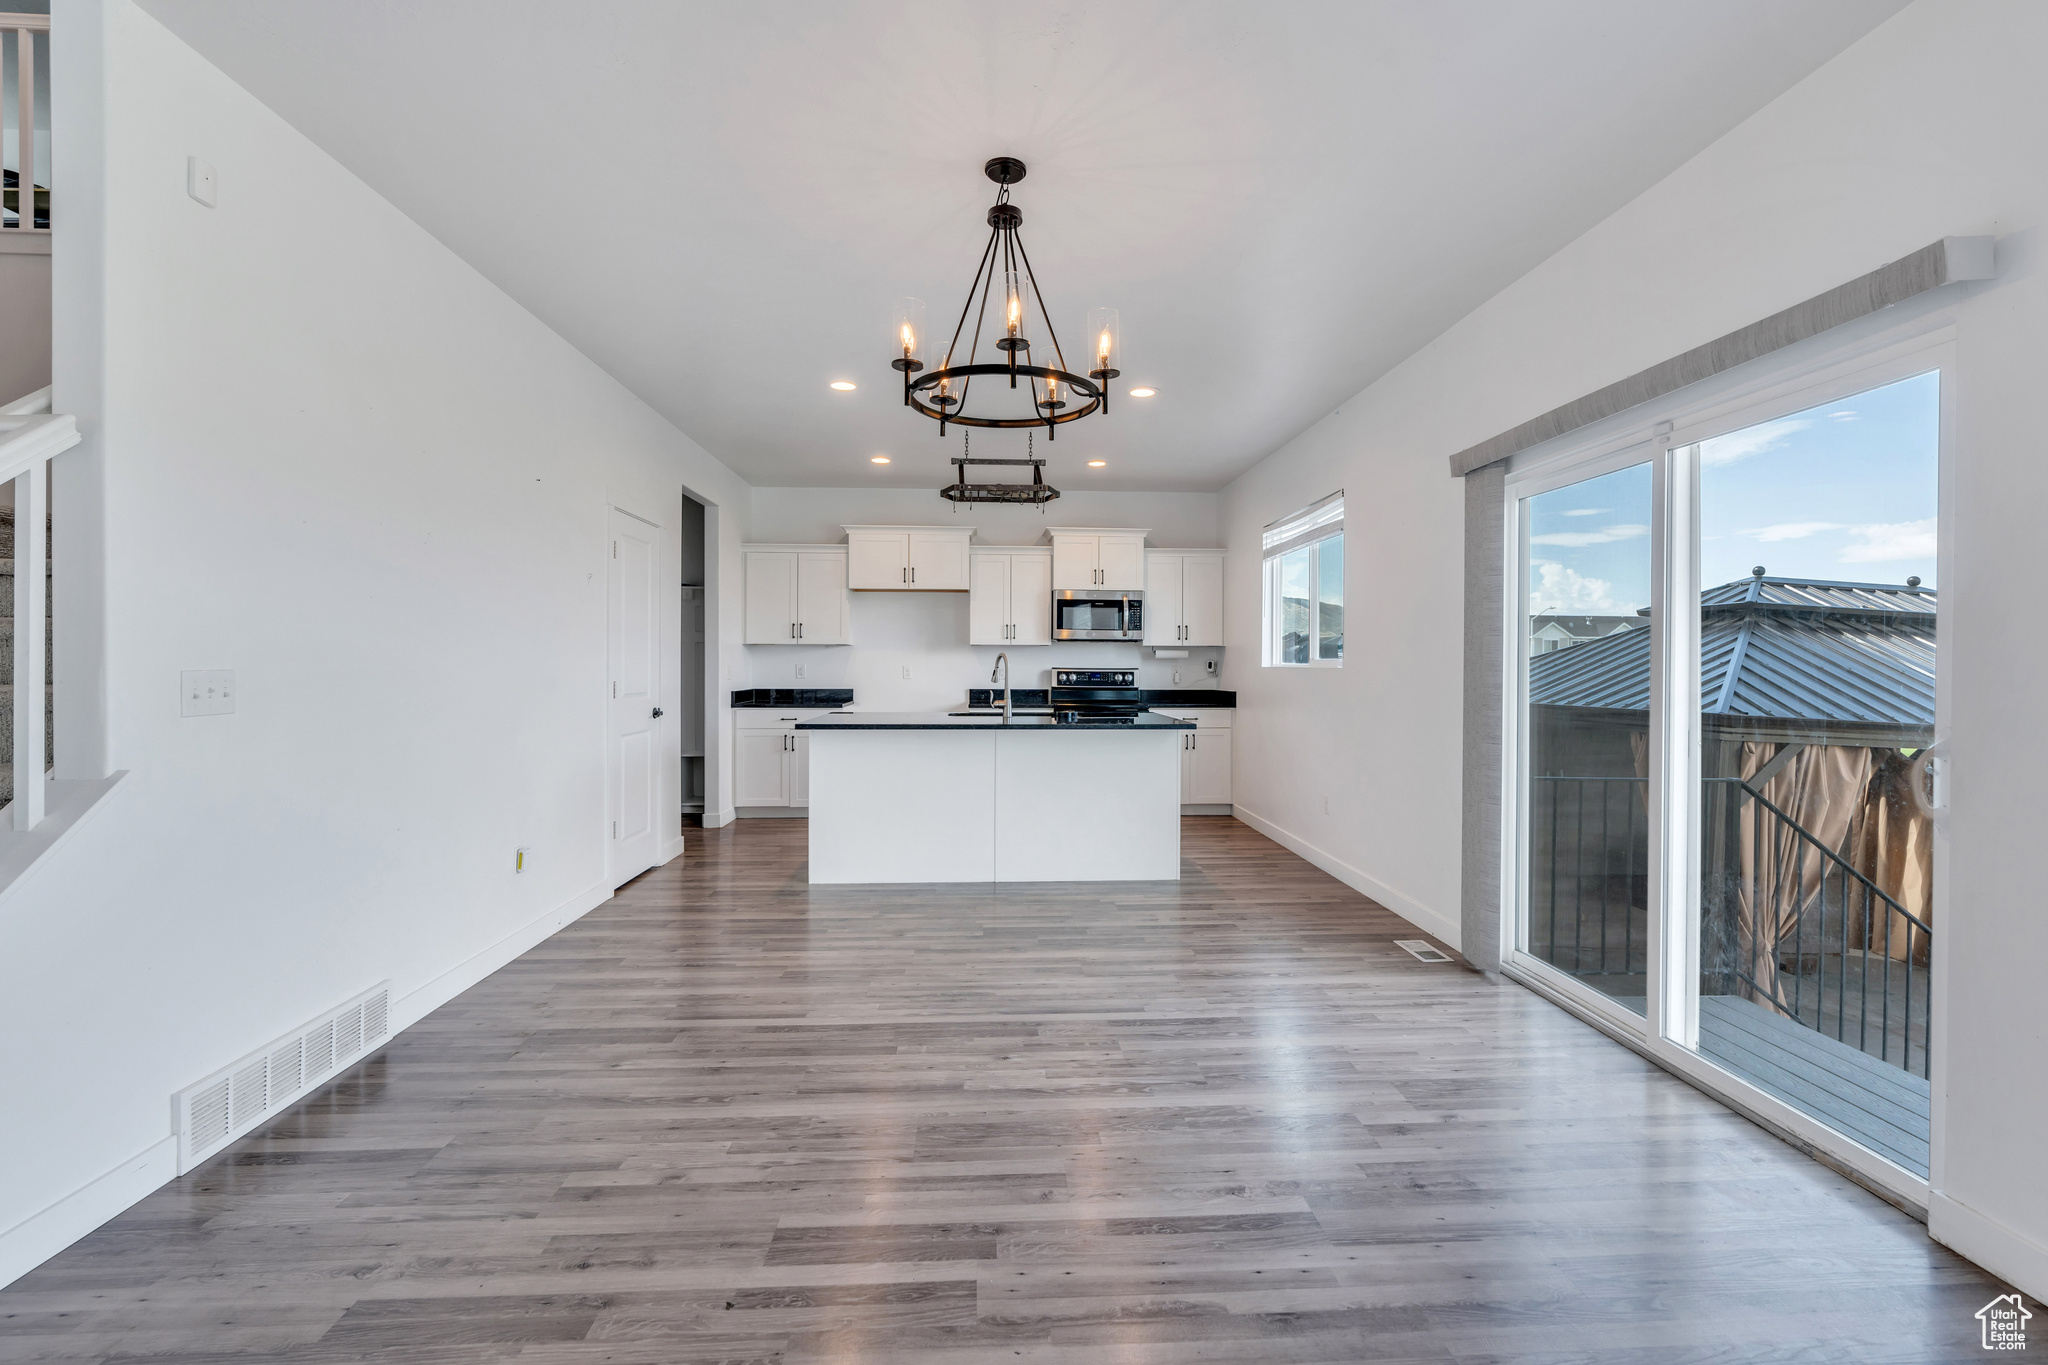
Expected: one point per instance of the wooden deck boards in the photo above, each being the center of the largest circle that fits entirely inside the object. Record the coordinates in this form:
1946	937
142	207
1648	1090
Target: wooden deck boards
730	1117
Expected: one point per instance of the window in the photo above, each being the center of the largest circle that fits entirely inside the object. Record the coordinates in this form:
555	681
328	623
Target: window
1304	586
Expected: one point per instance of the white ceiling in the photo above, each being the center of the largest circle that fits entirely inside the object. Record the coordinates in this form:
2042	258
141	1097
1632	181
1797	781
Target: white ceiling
719	202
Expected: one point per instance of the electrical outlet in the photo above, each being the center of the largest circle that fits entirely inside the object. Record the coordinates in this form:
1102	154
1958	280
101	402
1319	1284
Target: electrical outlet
801	672
906	670
1211	666
519	858
202	182
1176	677
206	692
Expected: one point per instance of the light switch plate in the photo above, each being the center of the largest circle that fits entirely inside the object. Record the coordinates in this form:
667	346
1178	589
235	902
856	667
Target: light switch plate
202	182
207	692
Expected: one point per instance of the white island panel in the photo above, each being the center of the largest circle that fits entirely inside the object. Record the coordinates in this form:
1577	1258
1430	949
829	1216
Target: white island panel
902	806
1093	805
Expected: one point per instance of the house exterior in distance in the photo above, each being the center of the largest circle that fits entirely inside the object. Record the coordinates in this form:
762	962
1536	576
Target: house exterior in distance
1549	633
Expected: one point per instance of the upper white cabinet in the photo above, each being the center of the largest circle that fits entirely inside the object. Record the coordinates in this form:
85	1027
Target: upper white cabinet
907	558
796	595
1009	601
1098	557
1184	597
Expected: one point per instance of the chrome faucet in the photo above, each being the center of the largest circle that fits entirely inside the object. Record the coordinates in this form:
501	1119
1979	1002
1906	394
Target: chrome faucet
1003	668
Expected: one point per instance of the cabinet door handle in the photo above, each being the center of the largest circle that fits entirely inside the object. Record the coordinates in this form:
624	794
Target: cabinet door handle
913	573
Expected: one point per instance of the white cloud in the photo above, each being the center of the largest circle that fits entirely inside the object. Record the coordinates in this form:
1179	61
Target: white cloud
1559	591
1792	530
1892	541
1740	445
1603	536
1588	511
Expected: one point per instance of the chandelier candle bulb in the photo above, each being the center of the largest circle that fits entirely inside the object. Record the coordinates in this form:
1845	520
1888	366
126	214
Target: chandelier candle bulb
909	328
1106	360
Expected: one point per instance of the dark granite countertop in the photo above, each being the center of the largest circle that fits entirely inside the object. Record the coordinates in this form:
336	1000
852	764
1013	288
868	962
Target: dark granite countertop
1187	696
916	720
793	696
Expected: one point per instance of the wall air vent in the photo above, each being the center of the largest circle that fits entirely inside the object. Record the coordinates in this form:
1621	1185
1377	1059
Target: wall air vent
207	1116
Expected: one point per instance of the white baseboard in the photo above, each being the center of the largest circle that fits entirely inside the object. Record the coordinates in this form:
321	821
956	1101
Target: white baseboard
40	1236
718	819
417	1004
670	851
1416	913
2016	1259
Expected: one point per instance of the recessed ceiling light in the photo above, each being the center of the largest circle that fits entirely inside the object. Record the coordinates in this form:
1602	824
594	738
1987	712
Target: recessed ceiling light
878	459
1143	393
844	385
1097	464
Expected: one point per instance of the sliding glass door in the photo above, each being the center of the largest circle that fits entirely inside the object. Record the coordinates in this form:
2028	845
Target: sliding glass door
1732	852
1585	711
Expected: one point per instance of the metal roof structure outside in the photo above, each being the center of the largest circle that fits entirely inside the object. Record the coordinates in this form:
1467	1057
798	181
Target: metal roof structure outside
1777	655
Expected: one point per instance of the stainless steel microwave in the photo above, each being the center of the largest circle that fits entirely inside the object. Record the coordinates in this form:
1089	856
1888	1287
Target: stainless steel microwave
1092	614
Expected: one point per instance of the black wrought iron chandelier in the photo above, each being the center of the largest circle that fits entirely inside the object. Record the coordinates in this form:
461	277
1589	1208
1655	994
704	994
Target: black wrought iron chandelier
1053	393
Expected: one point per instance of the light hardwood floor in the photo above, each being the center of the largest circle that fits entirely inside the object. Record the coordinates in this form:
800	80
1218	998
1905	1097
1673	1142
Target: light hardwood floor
730	1118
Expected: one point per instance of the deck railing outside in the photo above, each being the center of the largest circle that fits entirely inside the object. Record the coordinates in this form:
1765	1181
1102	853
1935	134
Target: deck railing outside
1792	926
25	197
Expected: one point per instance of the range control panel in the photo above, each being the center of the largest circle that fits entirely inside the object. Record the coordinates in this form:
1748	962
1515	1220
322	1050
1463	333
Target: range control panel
1095	677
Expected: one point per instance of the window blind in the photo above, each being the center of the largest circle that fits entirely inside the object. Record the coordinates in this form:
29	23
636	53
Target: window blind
1318	521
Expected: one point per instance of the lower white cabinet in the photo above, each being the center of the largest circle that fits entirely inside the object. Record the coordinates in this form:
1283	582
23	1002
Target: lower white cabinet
1204	755
771	762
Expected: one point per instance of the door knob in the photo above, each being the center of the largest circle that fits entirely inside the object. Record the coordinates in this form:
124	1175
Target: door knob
657	713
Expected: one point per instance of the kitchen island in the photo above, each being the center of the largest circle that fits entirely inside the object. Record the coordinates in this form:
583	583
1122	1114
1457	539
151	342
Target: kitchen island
937	798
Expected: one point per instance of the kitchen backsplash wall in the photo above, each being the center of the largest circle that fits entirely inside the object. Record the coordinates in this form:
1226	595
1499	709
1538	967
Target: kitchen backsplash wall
1179	521
927	634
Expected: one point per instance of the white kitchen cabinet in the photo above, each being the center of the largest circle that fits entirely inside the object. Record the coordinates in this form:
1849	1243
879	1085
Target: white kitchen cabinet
1204	755
1098	557
1009	600
1184	597
760	768
771	761
796	595
908	558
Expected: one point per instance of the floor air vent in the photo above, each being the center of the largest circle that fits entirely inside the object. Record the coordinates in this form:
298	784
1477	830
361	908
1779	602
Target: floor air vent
216	1111
1422	950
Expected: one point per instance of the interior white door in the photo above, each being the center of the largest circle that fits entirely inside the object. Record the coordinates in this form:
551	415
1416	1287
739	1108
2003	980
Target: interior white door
760	774
1162	599
1201	603
821	615
1122	561
938	562
771	597
1073	562
1030	599
878	559
634	683
988	600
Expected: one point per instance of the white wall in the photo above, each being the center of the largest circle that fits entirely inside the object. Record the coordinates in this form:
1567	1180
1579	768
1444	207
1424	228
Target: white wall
24	323
1930	126
327	454
927	632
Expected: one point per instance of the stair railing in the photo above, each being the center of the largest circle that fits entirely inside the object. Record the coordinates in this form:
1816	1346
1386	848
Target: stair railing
30	434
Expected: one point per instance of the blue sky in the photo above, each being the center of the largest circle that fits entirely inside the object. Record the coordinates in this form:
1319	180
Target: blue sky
1843	491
